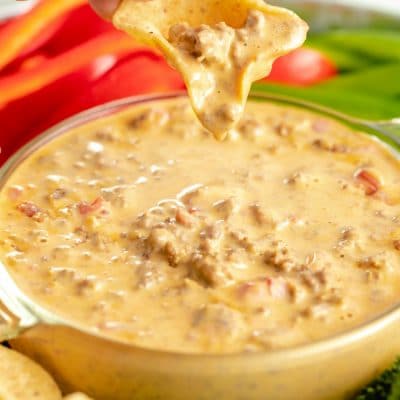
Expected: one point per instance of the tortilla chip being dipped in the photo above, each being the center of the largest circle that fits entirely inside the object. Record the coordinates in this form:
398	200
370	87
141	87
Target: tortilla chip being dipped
219	47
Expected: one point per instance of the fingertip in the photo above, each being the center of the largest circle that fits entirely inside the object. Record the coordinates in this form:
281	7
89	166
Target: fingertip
105	8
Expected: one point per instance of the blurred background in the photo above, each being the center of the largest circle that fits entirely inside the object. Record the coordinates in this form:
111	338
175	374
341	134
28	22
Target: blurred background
8	7
11	7
58	58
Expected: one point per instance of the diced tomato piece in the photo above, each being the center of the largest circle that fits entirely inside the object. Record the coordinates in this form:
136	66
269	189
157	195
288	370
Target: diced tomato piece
368	180
29	209
259	292
302	67
87	208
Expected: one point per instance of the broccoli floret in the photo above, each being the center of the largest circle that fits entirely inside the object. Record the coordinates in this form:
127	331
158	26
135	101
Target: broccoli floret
385	387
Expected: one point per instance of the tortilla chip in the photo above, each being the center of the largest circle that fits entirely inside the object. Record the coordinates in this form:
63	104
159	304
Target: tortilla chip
22	379
149	21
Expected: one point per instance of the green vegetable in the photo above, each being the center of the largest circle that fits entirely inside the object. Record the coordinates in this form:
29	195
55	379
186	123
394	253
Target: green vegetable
348	101
368	46
385	387
395	390
344	60
370	89
382	80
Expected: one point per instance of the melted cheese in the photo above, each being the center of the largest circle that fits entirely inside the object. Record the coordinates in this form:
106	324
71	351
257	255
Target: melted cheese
144	228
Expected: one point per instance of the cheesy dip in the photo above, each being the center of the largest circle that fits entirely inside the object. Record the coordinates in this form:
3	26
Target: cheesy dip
144	228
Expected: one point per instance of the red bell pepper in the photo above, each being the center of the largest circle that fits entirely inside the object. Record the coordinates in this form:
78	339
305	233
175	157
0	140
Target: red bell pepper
141	73
82	24
70	30
21	120
35	45
138	74
302	67
96	83
45	35
19	33
23	83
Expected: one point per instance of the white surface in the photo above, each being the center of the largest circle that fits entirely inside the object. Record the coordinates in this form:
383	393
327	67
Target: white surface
387	6
9	8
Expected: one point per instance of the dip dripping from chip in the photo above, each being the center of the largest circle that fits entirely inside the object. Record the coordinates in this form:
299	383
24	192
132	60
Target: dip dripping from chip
219	47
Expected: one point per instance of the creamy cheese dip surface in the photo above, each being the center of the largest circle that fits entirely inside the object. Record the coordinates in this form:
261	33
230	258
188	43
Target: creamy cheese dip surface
144	228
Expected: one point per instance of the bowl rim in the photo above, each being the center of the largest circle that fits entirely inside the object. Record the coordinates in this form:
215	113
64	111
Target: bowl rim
304	351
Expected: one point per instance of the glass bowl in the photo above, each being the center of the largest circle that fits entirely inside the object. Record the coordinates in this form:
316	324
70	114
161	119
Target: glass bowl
333	368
